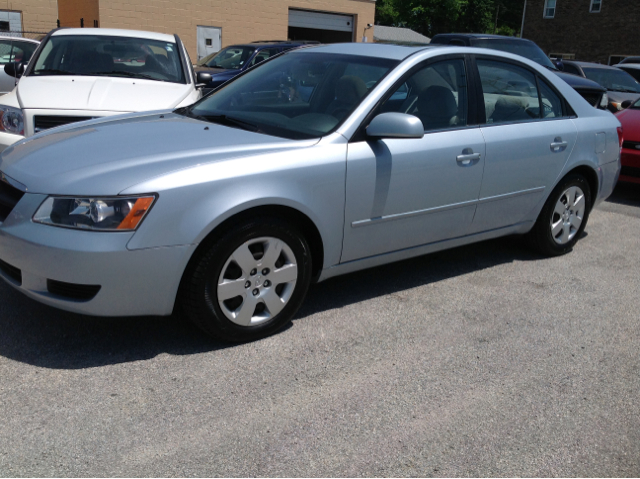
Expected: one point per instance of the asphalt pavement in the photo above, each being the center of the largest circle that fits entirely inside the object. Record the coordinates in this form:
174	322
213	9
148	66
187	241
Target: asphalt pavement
483	360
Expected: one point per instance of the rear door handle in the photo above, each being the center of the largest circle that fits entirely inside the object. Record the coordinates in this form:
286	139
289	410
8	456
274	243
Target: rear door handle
468	157
558	145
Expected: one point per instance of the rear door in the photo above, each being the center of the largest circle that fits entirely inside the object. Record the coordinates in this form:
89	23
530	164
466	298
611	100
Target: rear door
529	137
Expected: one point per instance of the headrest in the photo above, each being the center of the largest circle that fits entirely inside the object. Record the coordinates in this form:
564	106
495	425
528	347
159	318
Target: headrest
350	89
437	102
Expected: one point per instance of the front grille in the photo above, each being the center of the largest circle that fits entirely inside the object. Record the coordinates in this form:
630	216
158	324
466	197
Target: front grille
11	271
631	171
631	145
9	197
593	97
81	292
44	122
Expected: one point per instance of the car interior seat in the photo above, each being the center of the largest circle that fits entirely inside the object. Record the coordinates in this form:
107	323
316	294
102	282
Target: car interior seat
510	109
349	91
437	108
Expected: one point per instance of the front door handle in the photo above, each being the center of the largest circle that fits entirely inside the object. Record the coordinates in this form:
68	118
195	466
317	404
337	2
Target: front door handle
468	157
558	145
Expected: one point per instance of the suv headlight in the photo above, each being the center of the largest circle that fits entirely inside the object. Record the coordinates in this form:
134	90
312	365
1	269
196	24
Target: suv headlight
99	214
11	120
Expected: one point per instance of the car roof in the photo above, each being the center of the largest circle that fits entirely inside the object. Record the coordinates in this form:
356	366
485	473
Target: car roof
380	50
481	35
589	64
19	39
113	32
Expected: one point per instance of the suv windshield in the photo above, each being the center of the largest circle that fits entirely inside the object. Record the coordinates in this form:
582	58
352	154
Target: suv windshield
299	95
614	80
230	58
97	55
519	47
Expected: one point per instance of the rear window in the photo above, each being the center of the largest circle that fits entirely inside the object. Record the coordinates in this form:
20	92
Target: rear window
523	48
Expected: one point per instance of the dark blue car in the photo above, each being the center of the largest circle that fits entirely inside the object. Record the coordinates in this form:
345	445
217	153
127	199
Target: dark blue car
590	90
233	60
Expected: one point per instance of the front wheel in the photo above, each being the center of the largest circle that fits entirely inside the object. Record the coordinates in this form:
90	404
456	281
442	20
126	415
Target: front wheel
563	217
249	283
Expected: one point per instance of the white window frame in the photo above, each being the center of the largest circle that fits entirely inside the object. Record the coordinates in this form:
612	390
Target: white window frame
599	3
547	8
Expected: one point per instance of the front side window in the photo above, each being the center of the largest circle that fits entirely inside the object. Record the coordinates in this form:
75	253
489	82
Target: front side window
298	95
437	94
550	9
230	58
16	51
612	79
596	6
102	55
511	94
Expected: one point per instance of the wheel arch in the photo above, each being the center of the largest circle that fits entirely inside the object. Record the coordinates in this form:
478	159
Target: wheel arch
590	175
302	221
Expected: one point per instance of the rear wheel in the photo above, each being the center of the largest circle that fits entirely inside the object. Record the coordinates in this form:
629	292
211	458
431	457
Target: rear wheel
563	217
250	282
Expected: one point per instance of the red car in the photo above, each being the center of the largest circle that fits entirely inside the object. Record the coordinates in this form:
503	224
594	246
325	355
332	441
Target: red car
630	119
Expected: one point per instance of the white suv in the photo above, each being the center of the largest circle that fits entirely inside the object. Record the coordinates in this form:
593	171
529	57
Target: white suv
82	73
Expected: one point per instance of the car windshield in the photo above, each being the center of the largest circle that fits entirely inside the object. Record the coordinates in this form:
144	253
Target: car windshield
612	79
230	58
299	95
103	55
523	48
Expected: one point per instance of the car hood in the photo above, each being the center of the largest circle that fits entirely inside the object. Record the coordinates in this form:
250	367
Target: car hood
107	156
580	83
67	92
213	71
630	119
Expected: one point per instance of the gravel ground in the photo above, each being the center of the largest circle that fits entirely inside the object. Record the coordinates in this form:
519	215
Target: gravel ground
483	360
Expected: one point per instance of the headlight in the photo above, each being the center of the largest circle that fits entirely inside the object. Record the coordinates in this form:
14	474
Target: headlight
604	101
99	214
11	120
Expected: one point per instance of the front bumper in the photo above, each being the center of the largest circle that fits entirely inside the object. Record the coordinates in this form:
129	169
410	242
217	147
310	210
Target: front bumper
132	282
630	172
8	139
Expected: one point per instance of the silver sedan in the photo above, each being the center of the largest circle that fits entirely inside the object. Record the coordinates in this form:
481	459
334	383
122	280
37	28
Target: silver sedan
318	162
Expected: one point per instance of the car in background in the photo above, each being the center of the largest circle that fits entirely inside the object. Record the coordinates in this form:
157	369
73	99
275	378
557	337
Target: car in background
231	207
632	69
621	87
628	60
77	74
14	49
233	60
591	91
630	119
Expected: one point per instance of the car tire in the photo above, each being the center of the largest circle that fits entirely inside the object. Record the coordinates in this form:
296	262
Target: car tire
563	217
267	262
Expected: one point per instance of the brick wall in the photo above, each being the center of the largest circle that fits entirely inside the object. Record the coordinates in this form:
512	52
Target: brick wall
590	36
71	11
241	20
37	15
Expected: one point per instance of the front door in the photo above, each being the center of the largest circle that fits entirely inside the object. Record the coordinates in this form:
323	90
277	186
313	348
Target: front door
209	40
403	193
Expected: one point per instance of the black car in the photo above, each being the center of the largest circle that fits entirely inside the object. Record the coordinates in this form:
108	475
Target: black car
591	91
621	86
233	60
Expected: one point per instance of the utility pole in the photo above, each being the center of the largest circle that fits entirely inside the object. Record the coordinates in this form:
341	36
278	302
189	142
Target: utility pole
495	26
524	11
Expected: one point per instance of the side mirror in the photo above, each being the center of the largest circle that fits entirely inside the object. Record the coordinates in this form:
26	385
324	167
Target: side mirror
14	69
202	79
559	65
626	104
395	125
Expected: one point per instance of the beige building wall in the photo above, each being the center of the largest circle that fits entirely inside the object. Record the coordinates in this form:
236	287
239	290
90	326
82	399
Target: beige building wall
241	20
71	11
37	15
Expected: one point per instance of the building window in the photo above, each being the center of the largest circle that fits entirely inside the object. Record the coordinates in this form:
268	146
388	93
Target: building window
550	8
596	5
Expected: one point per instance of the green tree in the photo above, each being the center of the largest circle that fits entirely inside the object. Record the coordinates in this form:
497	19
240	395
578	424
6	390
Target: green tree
476	16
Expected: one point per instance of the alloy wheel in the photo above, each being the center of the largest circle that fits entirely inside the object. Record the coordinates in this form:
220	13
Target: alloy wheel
568	215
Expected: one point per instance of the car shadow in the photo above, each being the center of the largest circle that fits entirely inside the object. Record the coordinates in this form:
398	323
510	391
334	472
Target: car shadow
42	336
626	194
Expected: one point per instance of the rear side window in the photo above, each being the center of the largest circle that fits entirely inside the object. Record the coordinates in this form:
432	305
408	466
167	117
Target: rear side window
16	51
551	102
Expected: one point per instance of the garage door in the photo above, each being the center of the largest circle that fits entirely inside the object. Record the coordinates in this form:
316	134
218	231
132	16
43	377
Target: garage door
322	27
